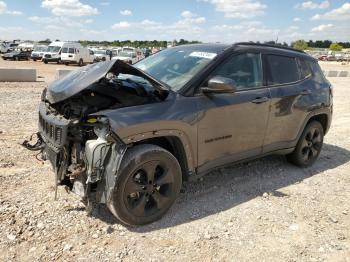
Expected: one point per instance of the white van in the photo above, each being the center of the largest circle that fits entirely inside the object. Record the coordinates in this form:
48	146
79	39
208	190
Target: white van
76	54
38	52
102	54
53	53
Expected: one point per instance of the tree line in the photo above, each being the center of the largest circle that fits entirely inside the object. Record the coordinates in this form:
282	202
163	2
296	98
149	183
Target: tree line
303	45
137	43
299	44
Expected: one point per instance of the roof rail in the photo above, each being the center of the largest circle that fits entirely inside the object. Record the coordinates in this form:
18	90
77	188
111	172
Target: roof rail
270	45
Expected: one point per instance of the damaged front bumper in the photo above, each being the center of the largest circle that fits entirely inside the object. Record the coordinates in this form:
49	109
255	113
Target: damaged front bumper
87	167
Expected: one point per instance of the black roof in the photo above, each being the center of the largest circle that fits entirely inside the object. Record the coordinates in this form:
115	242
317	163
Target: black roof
219	48
269	46
214	48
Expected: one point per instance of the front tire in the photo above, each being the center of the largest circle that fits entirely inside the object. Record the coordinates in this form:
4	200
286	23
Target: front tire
81	62
148	184
309	145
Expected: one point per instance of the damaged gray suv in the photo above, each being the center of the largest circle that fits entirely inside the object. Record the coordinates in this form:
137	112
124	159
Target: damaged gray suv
128	136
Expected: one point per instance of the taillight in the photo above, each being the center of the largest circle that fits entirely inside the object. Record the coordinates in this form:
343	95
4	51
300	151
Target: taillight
331	90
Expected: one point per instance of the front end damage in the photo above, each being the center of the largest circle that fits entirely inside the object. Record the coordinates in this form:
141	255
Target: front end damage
77	138
85	156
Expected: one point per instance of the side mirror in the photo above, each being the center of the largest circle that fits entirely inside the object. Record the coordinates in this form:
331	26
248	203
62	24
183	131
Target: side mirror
220	84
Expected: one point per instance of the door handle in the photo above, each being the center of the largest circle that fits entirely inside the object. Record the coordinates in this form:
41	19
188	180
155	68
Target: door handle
305	92
260	100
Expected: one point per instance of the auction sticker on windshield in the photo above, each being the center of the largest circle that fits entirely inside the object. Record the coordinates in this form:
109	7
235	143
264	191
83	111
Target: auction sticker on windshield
206	55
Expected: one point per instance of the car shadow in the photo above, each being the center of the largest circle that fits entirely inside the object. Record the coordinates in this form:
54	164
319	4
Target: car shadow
233	185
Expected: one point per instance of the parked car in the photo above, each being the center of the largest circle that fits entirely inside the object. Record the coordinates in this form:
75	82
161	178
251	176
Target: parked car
17	54
331	58
7	47
102	55
339	57
322	58
127	136
38	52
76	54
116	51
127	57
347	57
139	53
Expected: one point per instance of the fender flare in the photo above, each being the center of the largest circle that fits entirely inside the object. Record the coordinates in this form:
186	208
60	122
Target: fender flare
190	157
323	111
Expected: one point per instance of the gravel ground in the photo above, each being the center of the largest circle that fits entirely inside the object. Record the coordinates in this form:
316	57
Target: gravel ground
264	210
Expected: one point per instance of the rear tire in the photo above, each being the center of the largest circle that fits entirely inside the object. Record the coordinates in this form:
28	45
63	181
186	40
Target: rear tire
148	184
81	62
309	145
45	62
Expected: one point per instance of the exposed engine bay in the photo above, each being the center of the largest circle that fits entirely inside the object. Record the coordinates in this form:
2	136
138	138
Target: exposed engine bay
84	152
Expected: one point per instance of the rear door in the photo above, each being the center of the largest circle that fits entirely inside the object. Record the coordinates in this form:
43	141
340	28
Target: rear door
286	114
232	126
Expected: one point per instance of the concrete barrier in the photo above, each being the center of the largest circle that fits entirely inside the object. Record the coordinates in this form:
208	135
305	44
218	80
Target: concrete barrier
334	73
343	74
17	75
62	72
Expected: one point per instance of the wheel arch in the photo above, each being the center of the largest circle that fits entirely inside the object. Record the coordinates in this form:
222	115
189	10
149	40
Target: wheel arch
173	141
323	119
323	116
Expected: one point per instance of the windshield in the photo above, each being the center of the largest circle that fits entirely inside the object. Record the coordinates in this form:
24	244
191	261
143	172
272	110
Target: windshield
126	54
53	49
175	67
125	49
40	49
100	52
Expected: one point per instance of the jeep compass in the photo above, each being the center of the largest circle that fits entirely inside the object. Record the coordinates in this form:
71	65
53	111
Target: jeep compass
128	136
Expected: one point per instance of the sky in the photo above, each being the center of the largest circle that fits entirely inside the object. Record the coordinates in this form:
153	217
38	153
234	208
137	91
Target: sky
225	21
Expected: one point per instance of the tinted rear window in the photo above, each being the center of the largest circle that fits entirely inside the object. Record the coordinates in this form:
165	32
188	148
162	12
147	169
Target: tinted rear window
281	70
305	70
317	71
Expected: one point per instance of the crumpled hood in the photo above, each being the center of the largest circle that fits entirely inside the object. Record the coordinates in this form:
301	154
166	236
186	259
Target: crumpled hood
80	79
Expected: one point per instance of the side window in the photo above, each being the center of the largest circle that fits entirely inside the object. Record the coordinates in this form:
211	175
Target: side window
317	71
244	69
305	70
71	50
64	50
281	70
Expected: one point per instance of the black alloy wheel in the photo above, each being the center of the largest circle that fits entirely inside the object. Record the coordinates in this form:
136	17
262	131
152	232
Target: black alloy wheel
149	189
309	145
148	184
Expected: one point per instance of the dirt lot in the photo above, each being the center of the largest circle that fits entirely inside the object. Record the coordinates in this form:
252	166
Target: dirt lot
265	210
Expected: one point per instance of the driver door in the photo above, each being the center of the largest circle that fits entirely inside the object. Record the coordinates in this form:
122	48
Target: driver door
232	126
